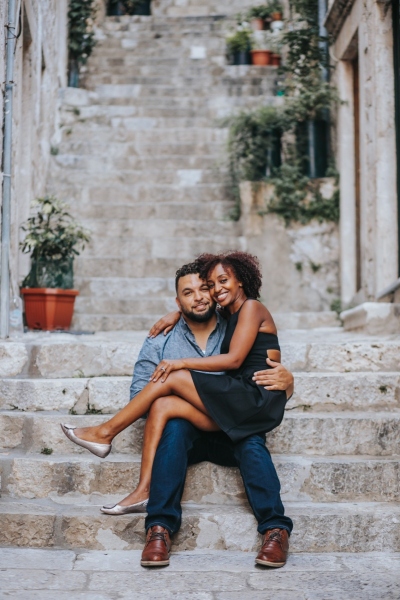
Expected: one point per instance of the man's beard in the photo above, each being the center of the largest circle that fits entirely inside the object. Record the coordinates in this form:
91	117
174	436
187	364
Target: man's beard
202	317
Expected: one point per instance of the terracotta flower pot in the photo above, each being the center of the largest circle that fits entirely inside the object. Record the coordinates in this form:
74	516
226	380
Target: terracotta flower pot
276	16
49	308
261	58
275	60
257	24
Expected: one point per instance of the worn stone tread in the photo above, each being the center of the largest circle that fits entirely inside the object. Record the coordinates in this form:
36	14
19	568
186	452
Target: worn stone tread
88	479
196	575
319	527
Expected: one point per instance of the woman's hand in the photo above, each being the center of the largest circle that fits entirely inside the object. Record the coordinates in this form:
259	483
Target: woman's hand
165	368
165	324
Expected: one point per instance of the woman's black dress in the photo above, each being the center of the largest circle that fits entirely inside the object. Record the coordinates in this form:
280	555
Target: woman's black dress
234	401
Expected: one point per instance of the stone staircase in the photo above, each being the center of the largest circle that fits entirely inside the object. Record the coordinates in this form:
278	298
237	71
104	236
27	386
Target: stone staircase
141	160
337	450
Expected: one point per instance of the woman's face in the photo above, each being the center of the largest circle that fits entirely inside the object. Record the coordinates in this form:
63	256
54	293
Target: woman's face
224	288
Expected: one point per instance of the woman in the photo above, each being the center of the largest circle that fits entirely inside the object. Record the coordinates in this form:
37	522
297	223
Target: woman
231	402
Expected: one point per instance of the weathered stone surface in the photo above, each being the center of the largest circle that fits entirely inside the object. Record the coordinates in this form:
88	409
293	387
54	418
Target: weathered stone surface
11	430
42	394
109	394
27	529
317	479
376	434
329	527
36	558
47	579
86	359
13	358
349	391
350	357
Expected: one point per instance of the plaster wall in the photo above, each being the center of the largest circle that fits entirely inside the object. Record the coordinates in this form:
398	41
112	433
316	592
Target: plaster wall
367	31
39	72
300	263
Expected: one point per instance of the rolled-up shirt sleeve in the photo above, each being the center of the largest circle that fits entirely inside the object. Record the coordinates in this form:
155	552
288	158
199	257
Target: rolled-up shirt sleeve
149	357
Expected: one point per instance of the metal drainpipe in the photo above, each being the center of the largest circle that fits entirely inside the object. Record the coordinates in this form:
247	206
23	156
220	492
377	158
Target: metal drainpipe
7	147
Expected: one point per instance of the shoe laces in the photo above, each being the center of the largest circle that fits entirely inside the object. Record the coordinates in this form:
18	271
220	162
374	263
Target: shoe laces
156	535
274	535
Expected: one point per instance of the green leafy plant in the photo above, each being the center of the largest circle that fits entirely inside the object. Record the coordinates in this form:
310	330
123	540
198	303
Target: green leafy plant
239	41
274	6
46	451
262	11
255	150
53	238
81	39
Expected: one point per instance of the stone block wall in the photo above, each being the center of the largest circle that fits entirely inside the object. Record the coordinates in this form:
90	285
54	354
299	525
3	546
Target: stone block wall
39	71
300	263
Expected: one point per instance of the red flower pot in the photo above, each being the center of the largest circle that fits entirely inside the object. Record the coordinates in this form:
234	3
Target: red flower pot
261	58
276	16
257	24
275	60
49	308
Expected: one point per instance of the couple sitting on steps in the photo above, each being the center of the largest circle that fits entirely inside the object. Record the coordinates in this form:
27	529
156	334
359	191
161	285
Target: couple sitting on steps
209	398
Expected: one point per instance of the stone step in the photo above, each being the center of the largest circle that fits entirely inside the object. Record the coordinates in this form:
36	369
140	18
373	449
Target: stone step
33	574
139	211
104	134
322	434
130	266
86	479
167	166
114	354
327	527
316	392
97	305
156	228
184	178
121	149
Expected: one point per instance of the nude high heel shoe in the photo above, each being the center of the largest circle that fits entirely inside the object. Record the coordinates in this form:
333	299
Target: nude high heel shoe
100	450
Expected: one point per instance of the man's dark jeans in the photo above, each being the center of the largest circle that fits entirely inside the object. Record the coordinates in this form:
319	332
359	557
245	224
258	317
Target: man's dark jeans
182	444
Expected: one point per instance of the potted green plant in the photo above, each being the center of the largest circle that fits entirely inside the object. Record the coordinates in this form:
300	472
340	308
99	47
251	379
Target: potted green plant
258	15
275	10
238	46
261	50
53	239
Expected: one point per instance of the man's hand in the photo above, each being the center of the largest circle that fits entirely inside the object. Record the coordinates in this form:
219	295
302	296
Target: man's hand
276	378
165	324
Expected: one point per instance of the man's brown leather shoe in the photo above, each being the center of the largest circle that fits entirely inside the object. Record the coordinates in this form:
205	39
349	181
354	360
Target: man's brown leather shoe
157	549
274	549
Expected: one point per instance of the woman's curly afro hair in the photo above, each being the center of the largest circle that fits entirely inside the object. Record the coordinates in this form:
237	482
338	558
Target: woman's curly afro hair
244	266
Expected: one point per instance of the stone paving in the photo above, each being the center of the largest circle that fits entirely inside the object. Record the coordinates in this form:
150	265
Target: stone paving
27	574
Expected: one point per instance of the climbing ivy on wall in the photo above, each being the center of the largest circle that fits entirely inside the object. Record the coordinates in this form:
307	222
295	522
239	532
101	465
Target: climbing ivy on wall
255	153
80	37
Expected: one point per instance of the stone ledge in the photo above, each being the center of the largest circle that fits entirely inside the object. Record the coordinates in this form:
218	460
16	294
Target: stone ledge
373	318
330	527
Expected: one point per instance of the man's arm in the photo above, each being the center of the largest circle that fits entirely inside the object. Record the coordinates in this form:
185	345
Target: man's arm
276	378
149	357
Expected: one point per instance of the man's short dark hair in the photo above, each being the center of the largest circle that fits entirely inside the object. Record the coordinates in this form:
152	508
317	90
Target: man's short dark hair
192	268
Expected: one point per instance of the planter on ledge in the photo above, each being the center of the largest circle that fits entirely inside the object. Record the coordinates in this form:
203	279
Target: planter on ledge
261	58
49	308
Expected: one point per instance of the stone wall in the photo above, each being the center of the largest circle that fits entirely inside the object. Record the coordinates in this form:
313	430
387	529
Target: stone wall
366	32
39	72
300	263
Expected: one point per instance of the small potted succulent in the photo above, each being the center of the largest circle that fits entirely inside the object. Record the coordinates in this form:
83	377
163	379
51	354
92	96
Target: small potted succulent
53	239
238	45
257	16
261	51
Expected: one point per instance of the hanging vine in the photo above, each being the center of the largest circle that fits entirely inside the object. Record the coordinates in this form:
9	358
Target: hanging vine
255	153
81	40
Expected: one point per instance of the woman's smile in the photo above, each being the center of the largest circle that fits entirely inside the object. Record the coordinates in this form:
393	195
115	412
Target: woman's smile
225	289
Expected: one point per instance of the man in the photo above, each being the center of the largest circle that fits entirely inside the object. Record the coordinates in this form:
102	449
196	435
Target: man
199	332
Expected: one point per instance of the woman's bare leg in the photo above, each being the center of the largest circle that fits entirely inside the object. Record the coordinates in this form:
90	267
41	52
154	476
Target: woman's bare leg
161	411
178	383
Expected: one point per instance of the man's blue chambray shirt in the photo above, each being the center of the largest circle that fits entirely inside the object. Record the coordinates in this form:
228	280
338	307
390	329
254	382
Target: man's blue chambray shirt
178	343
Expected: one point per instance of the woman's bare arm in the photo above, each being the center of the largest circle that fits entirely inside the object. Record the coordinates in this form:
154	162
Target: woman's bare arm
251	316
